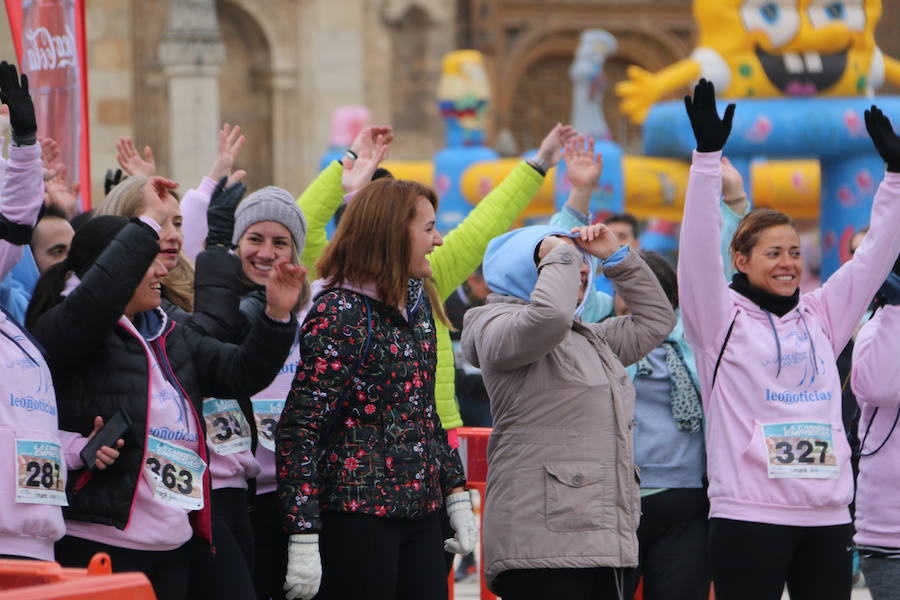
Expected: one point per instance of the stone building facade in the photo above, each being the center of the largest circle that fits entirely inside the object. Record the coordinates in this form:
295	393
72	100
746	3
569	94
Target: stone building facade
167	71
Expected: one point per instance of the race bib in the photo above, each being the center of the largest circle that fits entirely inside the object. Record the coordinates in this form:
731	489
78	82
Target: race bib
226	428
267	413
40	473
175	474
804	450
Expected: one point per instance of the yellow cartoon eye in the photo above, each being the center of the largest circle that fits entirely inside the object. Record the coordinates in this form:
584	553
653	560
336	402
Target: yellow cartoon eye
778	19
851	13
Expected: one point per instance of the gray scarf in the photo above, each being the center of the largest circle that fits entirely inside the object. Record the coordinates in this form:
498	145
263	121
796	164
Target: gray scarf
686	407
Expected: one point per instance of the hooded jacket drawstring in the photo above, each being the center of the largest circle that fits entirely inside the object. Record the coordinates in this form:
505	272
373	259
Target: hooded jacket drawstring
812	346
777	341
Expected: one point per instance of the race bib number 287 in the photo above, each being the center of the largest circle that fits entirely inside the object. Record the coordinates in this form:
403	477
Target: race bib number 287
40	473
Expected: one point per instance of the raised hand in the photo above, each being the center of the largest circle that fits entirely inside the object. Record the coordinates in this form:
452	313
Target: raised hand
886	141
220	214
550	151
582	166
50	157
230	143
597	240
283	289
62	194
369	154
132	162
733	193
14	93
111	180
154	197
710	131
552	241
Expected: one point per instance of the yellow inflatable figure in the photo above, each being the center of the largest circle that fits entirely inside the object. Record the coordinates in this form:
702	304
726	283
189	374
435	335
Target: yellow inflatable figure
772	48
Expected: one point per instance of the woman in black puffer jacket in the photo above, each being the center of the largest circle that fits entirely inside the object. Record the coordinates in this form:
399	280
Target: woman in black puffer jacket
109	346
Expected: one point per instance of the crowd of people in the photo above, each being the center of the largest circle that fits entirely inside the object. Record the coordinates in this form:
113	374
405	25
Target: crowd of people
208	389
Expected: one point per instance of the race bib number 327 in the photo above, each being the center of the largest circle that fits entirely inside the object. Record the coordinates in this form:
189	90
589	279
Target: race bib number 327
40	473
801	450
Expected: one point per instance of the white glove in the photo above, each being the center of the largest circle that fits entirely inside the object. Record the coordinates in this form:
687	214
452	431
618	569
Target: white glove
304	567
462	520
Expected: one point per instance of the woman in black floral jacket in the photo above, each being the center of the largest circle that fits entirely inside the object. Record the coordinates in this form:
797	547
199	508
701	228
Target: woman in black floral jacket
363	462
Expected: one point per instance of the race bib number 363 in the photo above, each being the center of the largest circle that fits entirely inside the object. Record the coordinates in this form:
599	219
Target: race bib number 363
802	450
40	473
175	474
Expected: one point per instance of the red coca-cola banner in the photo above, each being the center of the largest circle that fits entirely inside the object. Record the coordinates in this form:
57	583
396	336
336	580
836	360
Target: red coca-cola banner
50	44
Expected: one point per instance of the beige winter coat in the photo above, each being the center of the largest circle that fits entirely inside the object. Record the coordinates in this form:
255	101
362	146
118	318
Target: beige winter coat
562	487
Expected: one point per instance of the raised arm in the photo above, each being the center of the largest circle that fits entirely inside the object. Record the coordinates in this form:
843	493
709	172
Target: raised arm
845	296
525	333
464	247
651	317
704	300
22	189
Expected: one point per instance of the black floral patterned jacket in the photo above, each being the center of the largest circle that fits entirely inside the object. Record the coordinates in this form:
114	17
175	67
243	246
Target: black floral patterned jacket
367	441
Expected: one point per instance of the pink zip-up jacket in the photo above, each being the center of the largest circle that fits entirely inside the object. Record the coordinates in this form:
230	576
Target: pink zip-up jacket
876	383
777	374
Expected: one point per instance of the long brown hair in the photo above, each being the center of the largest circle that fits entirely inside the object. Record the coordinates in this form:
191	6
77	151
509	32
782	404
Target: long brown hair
750	228
372	242
125	200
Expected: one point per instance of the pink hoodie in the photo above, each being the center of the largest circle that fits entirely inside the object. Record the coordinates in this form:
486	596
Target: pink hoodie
876	383
776	447
30	517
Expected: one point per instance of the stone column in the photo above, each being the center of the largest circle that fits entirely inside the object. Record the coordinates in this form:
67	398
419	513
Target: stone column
192	53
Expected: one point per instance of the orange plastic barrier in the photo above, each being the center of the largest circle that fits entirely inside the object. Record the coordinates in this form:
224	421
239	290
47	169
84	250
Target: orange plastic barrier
37	580
473	443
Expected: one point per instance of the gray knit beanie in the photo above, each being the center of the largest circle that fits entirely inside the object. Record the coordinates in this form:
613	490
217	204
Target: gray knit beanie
270	204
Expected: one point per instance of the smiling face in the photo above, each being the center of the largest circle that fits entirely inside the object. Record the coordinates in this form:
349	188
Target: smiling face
774	264
148	293
423	237
793	47
262	246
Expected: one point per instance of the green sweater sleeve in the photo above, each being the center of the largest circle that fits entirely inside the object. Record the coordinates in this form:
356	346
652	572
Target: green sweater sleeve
464	247
319	202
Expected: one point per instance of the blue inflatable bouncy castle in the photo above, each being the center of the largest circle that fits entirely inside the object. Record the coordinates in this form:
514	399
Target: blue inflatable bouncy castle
829	129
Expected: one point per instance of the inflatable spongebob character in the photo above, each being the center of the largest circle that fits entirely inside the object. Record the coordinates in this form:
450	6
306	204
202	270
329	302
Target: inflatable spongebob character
773	48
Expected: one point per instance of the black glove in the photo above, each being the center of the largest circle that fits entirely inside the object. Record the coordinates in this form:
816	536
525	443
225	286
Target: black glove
111	180
220	215
710	132
886	141
21	109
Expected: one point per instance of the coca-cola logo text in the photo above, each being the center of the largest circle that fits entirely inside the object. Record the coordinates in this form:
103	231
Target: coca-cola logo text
47	52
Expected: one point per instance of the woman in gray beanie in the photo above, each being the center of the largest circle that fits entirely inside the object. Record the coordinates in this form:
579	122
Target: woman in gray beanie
269	229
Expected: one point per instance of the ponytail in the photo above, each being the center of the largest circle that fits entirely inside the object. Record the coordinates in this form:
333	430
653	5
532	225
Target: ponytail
47	292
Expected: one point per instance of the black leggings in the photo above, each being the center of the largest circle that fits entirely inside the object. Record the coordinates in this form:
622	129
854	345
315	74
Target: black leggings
753	561
227	573
673	538
597	583
370	557
270	542
167	570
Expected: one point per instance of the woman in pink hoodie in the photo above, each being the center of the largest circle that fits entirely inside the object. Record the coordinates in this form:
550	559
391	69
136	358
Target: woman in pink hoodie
876	383
778	460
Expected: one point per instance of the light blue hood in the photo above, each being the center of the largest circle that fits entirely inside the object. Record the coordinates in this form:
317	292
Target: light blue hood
509	267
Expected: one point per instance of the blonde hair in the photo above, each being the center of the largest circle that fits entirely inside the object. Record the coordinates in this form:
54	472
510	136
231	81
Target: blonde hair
126	200
372	242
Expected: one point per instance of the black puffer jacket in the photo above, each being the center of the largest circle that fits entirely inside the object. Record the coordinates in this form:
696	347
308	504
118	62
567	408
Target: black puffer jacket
217	295
98	366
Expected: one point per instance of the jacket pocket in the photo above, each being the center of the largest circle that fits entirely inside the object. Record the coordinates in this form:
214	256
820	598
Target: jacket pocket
579	496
